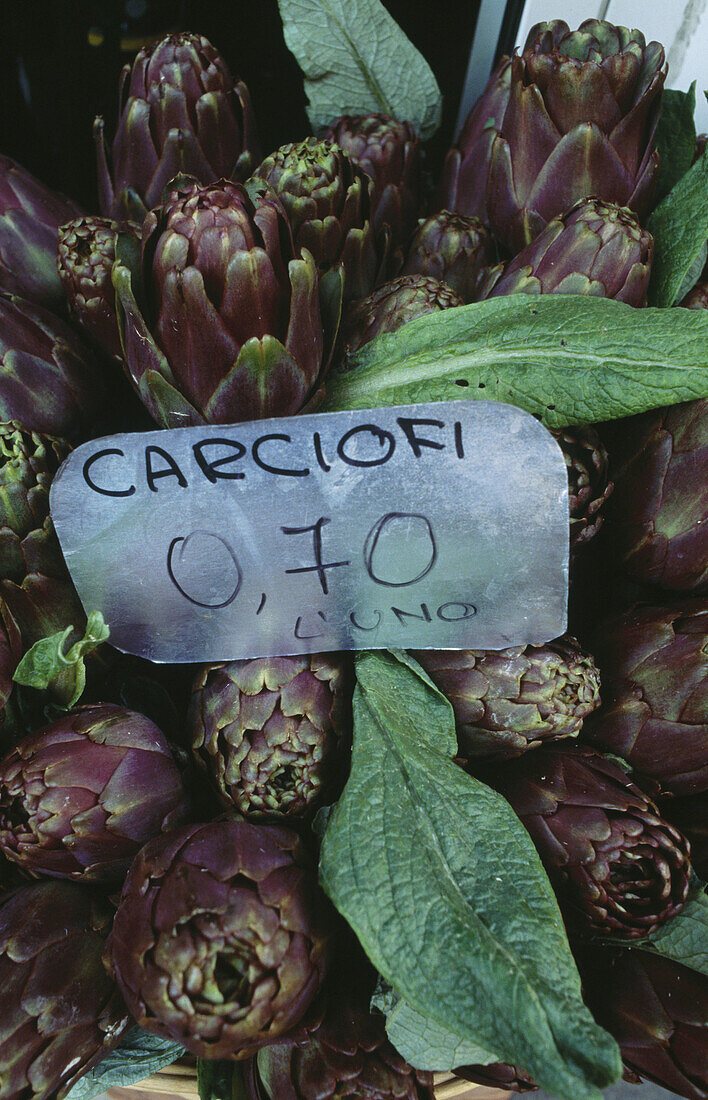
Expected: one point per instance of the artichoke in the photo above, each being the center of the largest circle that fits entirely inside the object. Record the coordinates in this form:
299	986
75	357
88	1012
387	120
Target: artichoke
30	215
181	114
588	482
49	380
389	152
497	1075
34	581
515	699
272	732
348	1057
86	254
454	249
690	815
656	1009
618	868
658	514
235	314
328	200
61	1011
219	941
393	305
81	796
579	120
10	655
697	297
654	665
597	248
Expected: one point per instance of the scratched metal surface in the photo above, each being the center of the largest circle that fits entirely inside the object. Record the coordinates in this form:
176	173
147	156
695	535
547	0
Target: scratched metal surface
430	526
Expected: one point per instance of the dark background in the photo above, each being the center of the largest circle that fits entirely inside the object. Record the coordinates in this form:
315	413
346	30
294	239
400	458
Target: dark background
62	60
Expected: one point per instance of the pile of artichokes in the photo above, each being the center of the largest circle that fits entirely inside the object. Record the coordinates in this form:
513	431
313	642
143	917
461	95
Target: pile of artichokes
158	859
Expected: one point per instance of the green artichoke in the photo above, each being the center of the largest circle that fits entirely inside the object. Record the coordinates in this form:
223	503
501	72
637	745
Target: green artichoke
511	700
220	939
658	514
232	328
181	114
273	732
328	200
597	248
61	1012
618	868
588	483
49	380
81	796
656	1009
389	152
30	215
654	666
579	120
34	581
86	254
392	305
454	249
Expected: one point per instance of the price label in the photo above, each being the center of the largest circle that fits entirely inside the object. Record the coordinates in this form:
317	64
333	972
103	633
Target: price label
438	526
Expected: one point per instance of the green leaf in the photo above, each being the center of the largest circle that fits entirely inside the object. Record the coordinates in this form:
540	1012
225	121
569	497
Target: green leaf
567	358
443	887
675	137
48	668
679	226
684	938
356	60
214	1080
138	1055
417	1038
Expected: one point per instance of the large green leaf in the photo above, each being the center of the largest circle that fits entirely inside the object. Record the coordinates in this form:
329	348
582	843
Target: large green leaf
357	60
419	1039
138	1055
567	358
675	137
679	226
443	887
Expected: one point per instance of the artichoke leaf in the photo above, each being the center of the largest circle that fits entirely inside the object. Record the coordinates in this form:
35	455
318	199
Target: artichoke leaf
138	1055
443	887
679	226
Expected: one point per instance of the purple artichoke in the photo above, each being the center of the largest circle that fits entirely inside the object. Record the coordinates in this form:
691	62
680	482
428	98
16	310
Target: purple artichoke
219	940
181	114
618	868
690	815
657	1010
393	305
234	313
30	215
10	655
697	297
81	796
328	200
389	152
497	1075
61	1012
654	667
86	254
49	381
597	248
659	510
454	249
272	732
588	482
579	120
511	700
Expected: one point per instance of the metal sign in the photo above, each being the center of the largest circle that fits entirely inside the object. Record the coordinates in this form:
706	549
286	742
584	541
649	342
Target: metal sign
425	526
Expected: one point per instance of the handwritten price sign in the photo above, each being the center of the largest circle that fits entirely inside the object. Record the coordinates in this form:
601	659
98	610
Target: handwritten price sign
426	526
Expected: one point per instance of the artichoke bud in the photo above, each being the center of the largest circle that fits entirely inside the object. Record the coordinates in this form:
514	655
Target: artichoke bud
389	152
273	732
220	940
30	215
392	305
181	113
454	249
597	248
511	700
79	797
619	869
61	1013
588	482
